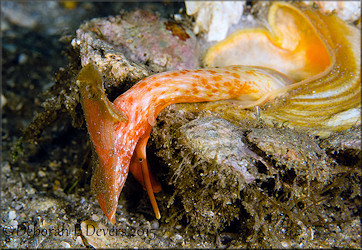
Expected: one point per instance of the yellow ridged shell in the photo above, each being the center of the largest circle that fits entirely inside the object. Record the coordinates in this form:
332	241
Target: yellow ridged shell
330	100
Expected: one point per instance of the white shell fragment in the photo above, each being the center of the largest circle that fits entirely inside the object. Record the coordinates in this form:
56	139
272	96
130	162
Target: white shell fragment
348	11
214	17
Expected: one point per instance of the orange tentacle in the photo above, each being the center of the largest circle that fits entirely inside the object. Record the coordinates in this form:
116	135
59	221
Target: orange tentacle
140	170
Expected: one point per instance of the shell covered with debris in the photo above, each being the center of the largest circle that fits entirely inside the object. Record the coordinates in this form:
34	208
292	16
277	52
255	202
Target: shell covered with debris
287	169
211	163
133	45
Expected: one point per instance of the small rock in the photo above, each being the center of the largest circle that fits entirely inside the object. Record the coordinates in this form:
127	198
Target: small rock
178	237
3	100
56	185
122	219
79	240
14	14
223	240
30	190
18	206
4	25
22	58
12	215
5	168
95	217
44	205
167	234
65	244
41	173
14	224
31	176
155	224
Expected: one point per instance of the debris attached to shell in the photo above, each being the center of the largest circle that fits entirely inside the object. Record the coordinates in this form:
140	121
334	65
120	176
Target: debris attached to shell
134	45
217	164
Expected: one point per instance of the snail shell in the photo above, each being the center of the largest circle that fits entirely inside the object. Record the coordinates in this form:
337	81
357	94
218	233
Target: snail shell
327	95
